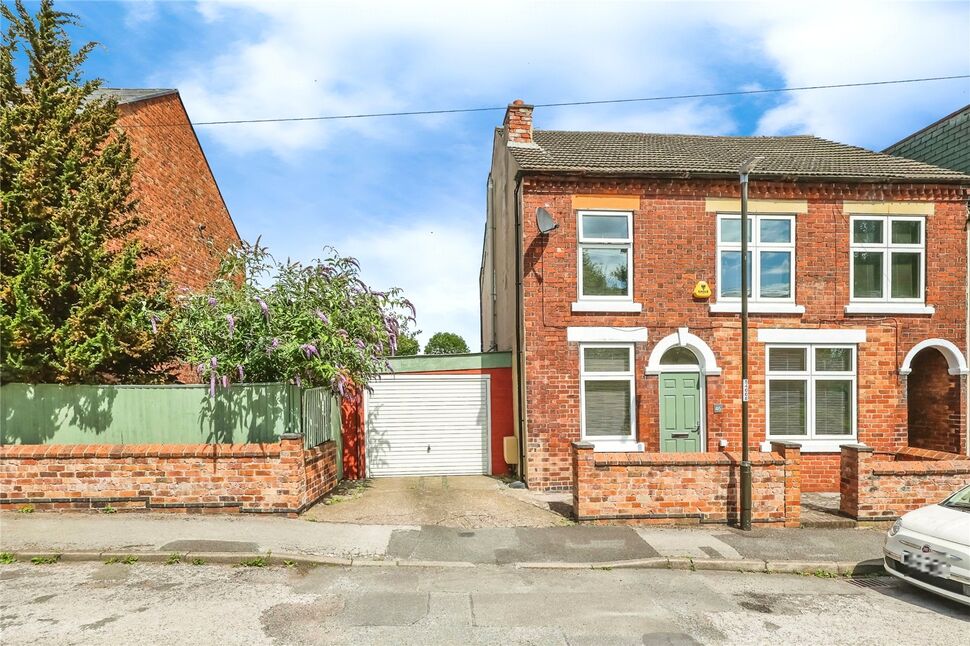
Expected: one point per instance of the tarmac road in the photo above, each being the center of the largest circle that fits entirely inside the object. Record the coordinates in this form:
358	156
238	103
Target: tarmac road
92	603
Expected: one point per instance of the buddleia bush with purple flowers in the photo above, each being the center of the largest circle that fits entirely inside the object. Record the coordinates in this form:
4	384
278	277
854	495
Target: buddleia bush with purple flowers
314	324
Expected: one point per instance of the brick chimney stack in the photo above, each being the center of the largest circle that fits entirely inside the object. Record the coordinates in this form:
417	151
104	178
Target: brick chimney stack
518	124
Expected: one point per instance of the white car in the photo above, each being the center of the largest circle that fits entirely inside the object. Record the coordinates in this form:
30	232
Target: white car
930	547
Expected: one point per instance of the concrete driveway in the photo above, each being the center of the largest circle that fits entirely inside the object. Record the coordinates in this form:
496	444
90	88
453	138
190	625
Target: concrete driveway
463	502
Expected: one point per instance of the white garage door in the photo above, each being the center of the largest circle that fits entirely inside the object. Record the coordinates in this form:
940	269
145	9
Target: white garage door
427	425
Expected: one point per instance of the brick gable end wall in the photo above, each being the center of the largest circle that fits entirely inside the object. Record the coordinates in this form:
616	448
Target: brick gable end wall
176	191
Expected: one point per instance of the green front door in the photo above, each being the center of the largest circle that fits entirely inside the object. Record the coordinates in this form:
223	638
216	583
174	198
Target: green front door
680	412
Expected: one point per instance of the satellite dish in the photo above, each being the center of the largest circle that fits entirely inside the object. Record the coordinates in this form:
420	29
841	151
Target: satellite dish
544	221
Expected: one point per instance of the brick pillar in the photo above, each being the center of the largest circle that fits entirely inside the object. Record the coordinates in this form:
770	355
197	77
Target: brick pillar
293	468
854	472
792	453
582	468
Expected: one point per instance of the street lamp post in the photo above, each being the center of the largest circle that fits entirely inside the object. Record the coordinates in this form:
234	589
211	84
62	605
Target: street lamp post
745	169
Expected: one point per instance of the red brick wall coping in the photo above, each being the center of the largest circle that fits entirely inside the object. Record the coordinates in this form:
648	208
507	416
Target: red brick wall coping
912	453
81	451
684	459
946	467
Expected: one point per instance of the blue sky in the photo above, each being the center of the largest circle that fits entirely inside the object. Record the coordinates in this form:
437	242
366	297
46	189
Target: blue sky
406	195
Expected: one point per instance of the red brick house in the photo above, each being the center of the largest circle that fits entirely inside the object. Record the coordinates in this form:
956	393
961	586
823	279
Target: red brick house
858	296
186	219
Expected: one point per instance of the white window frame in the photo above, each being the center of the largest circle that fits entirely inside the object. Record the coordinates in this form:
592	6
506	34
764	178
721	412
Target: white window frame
604	243
810	375
608	376
755	246
887	247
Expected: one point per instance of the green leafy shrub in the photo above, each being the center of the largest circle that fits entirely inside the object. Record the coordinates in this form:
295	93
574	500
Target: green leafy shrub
315	324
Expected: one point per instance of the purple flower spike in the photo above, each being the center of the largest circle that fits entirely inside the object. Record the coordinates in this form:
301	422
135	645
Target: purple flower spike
339	382
323	317
212	385
298	382
200	369
263	306
212	301
214	363
239	371
225	381
310	350
275	343
154	321
231	321
360	344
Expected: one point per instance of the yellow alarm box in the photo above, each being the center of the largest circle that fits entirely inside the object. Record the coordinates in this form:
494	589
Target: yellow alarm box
702	289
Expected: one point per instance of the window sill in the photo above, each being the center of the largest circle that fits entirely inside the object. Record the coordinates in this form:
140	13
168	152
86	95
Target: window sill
626	307
889	308
732	307
812	446
616	446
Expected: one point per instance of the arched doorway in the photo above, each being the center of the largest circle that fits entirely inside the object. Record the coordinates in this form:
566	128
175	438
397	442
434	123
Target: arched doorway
682	361
933	398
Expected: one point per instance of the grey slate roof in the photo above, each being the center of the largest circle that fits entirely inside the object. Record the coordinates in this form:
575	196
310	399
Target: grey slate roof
943	143
131	95
795	157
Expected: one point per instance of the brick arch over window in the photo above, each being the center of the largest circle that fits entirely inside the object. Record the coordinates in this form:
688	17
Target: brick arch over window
682	338
956	362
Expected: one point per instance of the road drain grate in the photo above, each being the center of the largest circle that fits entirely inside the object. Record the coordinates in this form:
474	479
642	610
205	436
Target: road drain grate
874	582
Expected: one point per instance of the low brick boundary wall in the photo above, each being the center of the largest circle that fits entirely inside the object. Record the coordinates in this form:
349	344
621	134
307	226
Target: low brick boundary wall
281	477
685	488
880	487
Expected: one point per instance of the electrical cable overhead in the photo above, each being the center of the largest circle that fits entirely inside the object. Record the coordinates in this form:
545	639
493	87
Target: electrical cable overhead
672	97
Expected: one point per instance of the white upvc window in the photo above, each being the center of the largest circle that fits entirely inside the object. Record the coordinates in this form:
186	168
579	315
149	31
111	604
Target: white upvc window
771	258
605	258
811	393
888	259
606	392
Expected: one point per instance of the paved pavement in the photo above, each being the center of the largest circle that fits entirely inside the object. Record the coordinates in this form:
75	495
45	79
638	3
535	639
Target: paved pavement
137	604
570	544
462	502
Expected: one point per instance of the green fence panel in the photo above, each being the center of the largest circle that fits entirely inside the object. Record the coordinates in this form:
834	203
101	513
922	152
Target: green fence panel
321	421
174	414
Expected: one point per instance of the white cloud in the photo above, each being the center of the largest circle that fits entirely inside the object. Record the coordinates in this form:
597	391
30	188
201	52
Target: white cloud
863	41
139	13
435	261
329	58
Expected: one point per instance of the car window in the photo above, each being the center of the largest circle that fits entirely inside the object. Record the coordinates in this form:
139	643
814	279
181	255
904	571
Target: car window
959	500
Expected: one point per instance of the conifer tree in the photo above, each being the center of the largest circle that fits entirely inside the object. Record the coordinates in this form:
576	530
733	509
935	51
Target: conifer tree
81	300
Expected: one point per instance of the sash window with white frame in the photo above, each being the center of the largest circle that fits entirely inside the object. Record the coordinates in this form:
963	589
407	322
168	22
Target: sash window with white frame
888	259
605	256
771	258
607	392
811	392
